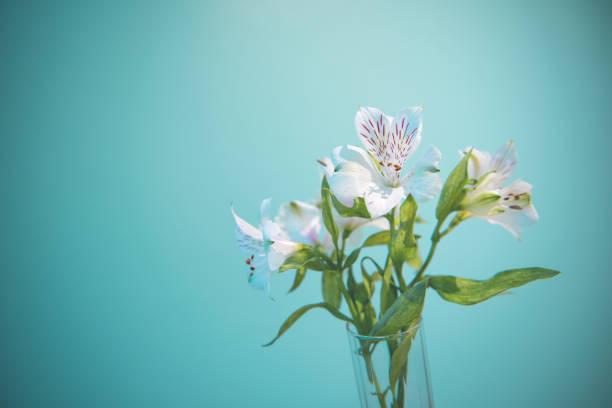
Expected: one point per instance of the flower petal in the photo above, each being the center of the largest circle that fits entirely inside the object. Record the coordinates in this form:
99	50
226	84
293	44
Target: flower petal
272	232
350	153
250	239
390	141
356	225
279	251
424	186
351	180
327	168
405	134
302	221
479	163
518	209
264	210
504	161
372	128
514	220
428	162
381	199
258	274
423	181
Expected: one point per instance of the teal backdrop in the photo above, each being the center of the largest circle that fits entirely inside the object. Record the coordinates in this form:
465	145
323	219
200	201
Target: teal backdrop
128	127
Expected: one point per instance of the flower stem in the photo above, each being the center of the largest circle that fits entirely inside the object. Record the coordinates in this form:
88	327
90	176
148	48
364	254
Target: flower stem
435	238
379	393
349	302
391	218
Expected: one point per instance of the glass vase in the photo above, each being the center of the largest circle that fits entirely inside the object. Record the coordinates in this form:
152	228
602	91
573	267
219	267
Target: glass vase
391	371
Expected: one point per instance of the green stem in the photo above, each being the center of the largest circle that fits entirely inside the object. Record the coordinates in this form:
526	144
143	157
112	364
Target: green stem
435	238
454	223
345	293
379	393
349	302
398	273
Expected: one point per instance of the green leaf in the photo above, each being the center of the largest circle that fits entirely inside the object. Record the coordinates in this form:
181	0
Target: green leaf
330	289
379	238
420	220
469	292
387	292
359	208
306	257
361	295
403	312
399	359
368	280
299	277
367	314
298	313
350	260
326	209
453	189
403	240
414	259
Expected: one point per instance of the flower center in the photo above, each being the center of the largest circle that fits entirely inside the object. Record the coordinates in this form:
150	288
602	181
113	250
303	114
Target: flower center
249	261
517	201
391	172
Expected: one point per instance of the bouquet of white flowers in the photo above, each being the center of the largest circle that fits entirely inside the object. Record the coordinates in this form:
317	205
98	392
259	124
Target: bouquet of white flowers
367	188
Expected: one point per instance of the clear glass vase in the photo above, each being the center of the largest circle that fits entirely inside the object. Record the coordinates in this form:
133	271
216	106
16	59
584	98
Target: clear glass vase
391	371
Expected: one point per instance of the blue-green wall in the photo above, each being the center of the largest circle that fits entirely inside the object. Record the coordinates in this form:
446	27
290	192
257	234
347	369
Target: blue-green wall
127	128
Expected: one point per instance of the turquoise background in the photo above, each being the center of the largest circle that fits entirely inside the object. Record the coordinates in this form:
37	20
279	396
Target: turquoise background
127	128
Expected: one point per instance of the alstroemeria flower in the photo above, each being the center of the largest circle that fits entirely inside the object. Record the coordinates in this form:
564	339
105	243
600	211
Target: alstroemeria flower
376	175
268	247
508	206
303	223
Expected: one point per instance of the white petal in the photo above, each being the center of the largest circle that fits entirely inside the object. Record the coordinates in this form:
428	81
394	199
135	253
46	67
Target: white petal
381	199
264	211
250	239
351	180
302	221
372	127
390	141
353	241
356	222
514	220
272	231
504	161
258	274
381	223
424	186
311	231
479	163
518	186
279	251
423	181
327	167
350	153
428	162
405	134
518	209
517	197
327	246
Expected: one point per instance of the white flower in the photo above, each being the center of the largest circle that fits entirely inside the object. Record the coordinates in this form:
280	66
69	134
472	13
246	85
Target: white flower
268	247
508	206
375	175
303	223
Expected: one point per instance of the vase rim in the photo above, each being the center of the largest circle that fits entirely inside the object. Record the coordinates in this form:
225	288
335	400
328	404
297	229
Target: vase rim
412	330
